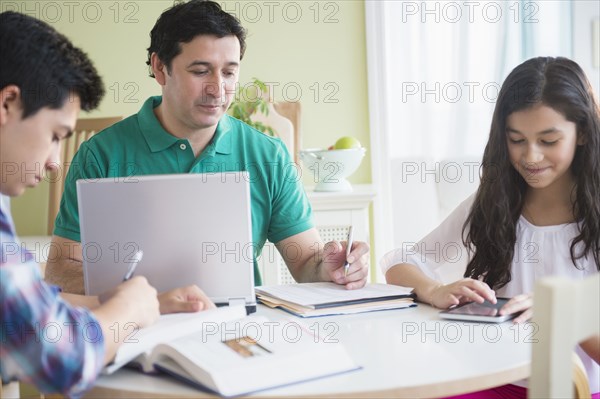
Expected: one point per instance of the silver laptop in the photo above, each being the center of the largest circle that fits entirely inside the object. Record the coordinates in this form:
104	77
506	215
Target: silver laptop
192	229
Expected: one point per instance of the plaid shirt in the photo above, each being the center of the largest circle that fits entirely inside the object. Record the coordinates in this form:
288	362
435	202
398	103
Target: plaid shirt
44	341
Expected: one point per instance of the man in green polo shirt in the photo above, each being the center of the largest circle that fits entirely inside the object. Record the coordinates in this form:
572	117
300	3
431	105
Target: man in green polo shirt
194	55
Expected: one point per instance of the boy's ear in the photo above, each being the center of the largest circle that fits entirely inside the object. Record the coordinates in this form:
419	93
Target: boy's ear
10	102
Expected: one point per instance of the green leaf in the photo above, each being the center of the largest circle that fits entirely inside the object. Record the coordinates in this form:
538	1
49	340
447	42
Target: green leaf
261	85
243	108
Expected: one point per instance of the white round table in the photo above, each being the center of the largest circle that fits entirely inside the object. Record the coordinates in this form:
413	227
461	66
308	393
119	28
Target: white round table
403	353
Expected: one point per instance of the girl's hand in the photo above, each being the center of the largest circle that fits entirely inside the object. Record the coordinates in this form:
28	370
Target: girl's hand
520	303
461	291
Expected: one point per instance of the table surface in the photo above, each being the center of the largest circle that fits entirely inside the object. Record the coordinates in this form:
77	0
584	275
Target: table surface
403	353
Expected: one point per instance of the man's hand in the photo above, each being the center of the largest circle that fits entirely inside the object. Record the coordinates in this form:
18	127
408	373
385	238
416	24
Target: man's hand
184	300
334	258
315	262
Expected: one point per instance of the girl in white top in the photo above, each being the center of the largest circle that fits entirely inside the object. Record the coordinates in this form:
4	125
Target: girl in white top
537	210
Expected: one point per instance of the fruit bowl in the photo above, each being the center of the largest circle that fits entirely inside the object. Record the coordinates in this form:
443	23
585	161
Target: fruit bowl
330	168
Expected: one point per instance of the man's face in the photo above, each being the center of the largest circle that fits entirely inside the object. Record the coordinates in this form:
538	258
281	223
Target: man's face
200	85
30	146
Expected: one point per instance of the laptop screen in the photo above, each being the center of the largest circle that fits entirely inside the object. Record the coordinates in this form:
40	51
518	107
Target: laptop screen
192	229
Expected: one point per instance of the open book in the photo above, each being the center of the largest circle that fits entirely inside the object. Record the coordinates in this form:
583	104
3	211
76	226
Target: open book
324	299
225	352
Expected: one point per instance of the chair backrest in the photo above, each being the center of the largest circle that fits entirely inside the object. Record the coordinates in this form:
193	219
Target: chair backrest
10	390
565	312
284	118
84	129
292	111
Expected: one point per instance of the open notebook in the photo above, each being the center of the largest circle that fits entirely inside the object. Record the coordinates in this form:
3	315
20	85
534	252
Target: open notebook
324	299
224	352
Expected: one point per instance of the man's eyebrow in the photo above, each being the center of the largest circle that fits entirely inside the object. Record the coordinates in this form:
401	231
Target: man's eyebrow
199	63
207	64
547	131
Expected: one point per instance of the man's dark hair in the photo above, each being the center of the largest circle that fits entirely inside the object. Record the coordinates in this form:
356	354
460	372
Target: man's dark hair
183	22
45	65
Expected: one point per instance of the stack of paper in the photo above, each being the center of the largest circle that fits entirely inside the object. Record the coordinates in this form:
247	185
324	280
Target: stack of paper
323	299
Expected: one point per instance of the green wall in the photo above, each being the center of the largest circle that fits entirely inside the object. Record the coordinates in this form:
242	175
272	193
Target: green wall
310	51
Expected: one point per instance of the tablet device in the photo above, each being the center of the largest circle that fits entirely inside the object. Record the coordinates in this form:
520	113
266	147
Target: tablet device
485	312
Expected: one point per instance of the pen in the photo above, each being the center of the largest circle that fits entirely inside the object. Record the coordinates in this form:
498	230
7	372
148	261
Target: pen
136	259
348	249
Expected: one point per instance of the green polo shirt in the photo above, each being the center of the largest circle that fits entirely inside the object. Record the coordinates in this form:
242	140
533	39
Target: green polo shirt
139	145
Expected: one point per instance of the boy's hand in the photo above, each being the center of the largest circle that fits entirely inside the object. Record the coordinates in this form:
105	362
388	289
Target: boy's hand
137	294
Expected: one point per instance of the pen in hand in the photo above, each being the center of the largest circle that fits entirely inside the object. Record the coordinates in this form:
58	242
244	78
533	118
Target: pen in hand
348	249
136	259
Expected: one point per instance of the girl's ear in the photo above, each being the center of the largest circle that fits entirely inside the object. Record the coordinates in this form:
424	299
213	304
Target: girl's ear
581	139
10	103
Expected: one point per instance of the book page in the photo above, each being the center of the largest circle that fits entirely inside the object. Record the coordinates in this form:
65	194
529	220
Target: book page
253	354
168	328
209	346
311	294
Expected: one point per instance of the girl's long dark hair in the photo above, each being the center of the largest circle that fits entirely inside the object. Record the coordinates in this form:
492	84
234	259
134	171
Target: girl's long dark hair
561	84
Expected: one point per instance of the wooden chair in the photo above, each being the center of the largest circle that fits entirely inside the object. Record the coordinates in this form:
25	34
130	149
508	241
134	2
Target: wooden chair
84	129
291	111
284	118
21	390
10	390
581	384
566	312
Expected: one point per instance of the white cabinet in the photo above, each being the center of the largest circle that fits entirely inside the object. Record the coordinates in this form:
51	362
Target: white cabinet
333	212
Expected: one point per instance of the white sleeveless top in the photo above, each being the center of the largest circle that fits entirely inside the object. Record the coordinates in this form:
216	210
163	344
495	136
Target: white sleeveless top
539	251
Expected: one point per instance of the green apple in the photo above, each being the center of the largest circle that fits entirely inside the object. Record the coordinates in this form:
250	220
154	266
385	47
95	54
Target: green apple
346	143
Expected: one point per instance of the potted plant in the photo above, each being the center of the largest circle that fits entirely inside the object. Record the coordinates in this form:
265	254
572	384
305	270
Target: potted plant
250	99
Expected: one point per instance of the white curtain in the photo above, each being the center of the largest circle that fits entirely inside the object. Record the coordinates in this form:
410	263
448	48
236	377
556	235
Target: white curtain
447	62
435	69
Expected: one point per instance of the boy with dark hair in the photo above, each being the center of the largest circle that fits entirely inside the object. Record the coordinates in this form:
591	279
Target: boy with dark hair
46	338
45	66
